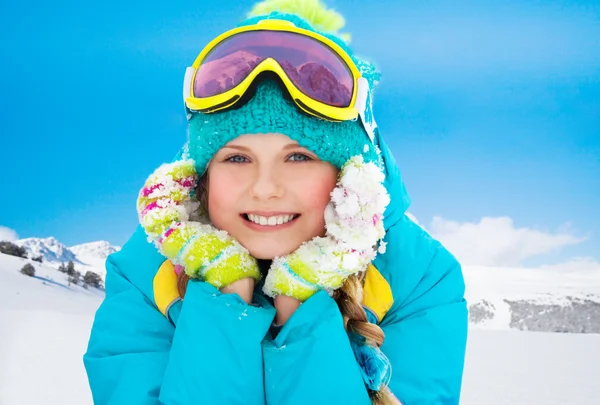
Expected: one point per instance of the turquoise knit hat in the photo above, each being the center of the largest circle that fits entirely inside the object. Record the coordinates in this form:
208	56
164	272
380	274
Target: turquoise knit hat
268	111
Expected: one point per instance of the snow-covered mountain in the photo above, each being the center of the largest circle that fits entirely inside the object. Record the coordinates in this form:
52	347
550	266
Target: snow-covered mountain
542	299
86	257
51	250
94	255
99	250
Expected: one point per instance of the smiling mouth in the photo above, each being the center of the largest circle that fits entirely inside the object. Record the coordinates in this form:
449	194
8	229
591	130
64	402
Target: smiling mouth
270	221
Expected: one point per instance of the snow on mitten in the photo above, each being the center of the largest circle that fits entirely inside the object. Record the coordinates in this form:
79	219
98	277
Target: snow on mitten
312	267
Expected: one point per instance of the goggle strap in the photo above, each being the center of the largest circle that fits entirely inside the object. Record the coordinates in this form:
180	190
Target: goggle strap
361	106
187	89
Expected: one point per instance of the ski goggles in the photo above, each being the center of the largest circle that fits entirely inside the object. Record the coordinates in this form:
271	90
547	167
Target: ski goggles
318	74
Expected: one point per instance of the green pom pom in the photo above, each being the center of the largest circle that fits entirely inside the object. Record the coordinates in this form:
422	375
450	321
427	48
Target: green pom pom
313	11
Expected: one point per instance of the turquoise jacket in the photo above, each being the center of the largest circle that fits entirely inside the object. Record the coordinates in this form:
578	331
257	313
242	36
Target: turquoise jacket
149	347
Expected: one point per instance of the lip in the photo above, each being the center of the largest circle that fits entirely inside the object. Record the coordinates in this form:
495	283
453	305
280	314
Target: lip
269	213
267	228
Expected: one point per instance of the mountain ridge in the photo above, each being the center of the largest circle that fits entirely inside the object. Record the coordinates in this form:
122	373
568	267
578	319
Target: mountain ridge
89	256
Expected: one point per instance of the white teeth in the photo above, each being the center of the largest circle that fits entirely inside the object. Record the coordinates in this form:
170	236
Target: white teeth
270	221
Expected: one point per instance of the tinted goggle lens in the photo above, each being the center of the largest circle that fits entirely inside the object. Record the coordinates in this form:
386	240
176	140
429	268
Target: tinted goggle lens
314	68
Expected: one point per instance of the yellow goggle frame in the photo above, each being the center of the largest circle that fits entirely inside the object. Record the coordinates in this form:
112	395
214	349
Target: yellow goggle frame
305	103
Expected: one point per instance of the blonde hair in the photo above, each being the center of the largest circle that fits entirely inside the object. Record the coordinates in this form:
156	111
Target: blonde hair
348	298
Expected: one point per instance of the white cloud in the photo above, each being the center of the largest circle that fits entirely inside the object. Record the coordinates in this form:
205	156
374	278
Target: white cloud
497	242
8	234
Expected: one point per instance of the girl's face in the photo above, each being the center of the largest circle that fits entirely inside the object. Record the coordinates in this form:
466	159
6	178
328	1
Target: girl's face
269	193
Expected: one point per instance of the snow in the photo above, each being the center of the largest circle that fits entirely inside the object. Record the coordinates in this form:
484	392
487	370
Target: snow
531	368
49	290
41	353
51	250
86	257
503	290
485	282
94	253
100	249
45	326
93	256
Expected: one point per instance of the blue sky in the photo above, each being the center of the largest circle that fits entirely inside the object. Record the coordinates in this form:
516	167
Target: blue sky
492	109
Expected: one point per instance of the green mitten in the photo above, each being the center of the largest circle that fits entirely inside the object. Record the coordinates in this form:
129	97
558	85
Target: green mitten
164	207
354	223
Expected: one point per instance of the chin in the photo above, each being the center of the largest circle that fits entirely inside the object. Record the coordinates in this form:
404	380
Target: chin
269	252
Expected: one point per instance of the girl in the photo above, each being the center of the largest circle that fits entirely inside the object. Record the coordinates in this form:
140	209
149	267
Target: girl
281	254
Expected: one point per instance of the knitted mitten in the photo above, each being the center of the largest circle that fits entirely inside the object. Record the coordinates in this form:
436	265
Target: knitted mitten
354	222
164	206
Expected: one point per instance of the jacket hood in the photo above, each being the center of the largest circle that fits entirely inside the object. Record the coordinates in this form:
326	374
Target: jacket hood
399	198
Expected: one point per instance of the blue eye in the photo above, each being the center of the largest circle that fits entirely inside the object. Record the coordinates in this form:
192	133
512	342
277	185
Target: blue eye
299	157
237	159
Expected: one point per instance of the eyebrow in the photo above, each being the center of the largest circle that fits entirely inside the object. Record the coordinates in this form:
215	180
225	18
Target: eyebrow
245	149
239	147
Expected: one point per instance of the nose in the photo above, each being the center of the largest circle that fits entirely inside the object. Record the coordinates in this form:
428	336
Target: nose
267	184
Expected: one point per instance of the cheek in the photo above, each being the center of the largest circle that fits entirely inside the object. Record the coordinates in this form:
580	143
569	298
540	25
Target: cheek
221	198
320	186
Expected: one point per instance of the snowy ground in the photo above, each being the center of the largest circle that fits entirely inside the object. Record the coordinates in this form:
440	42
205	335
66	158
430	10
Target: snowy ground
45	327
531	368
44	331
